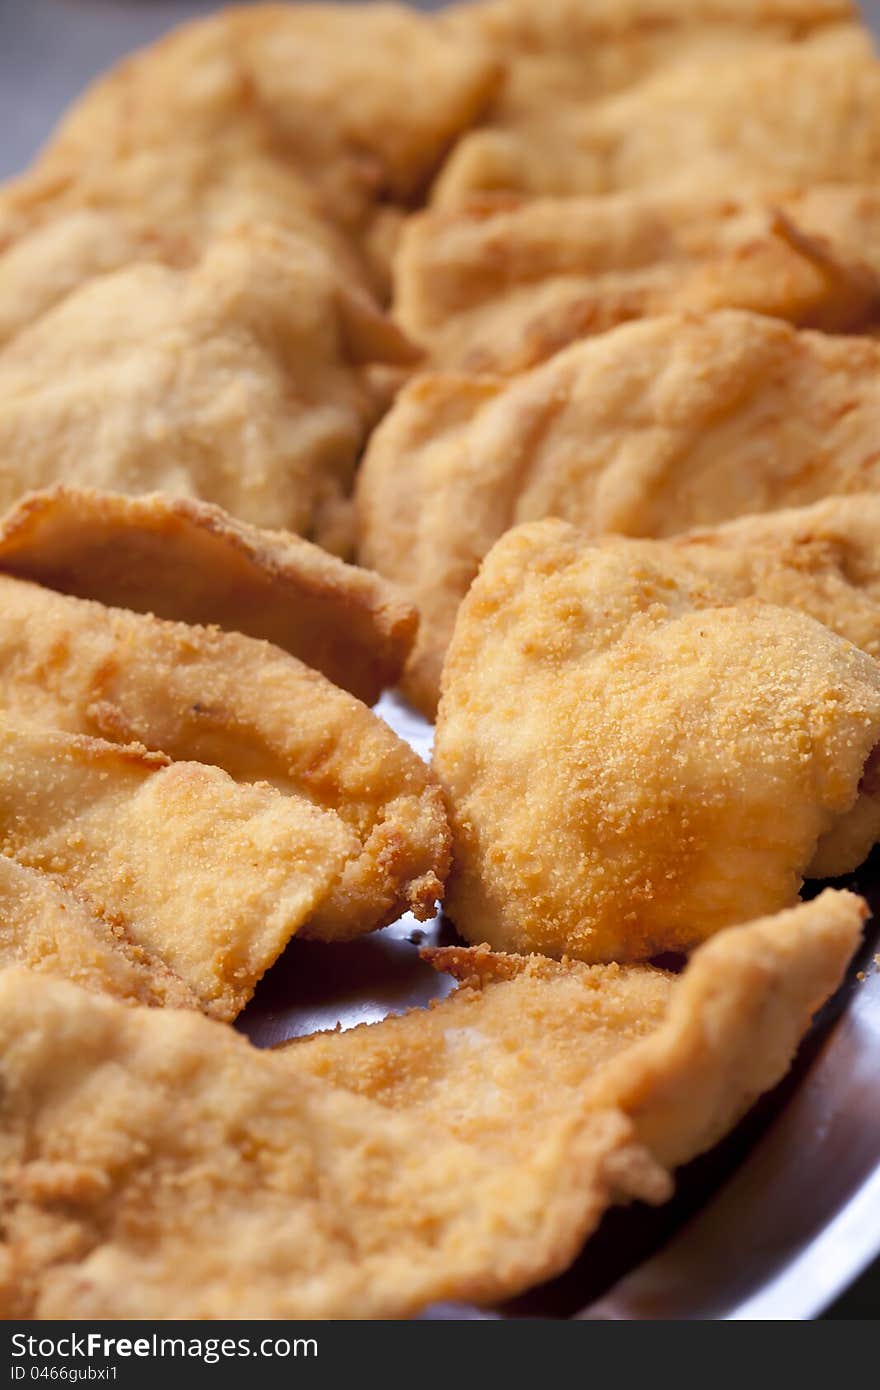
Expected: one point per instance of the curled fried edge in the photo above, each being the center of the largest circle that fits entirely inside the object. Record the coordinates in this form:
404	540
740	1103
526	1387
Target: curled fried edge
190	561
209	876
199	694
48	929
615	739
211	1180
648	430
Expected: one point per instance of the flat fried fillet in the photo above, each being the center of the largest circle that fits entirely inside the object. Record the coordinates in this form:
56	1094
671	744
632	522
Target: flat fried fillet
823	560
650	429
50	931
215	1181
240	381
307	116
550	1032
733	1023
615	751
380	92
379	85
683	129
183	559
210	876
69	218
41	268
201	695
160	1166
175	144
501	285
565	51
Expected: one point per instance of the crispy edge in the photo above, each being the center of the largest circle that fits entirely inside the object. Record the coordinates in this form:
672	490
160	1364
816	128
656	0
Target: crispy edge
349	623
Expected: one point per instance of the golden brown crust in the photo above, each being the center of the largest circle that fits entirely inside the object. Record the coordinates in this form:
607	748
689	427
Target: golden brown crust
183	559
683	1056
718	1024
614	745
337	1179
239	380
220	698
474	966
566	51
185	305
41	268
210	876
645	136
309	117
648	430
379	89
502	284
46	928
823	560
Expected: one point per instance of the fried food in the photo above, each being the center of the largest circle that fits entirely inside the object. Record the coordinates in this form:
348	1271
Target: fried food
648	430
615	753
43	267
823	560
596	1032
565	51
67	221
241	382
683	129
211	876
310	117
371	98
502	287
160	1166
820	560
846	216
201	695
50	931
187	560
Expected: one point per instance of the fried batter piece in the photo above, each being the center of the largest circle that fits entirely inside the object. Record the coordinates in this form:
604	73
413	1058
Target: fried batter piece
684	129
823	560
43	267
179	558
206	696
615	751
49	930
210	876
67	220
551	1033
211	1180
312	117
845	216
567	51
501	286
241	382
648	430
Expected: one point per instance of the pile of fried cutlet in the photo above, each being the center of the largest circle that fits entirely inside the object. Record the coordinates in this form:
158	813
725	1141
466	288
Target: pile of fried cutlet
523	357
